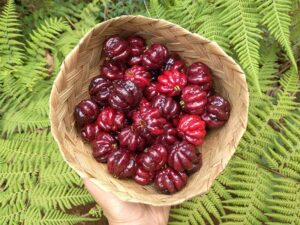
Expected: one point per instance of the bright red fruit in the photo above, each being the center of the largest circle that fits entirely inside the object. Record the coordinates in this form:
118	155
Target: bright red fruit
125	95
193	99
90	131
86	112
112	70
130	139
192	129
151	91
102	146
110	119
144	103
168	107
155	56
182	156
169	181
217	111
169	137
116	48
121	163
171	82
143	177
176	63
100	89
138	75
199	74
154	158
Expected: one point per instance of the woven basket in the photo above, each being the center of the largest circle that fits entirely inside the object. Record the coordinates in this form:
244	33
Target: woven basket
71	86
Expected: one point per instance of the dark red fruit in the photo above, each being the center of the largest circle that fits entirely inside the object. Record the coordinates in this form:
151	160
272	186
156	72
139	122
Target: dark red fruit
100	89
112	70
116	48
130	139
86	112
154	158
169	181
196	165
135	60
110	119
171	82
125	95
174	62
193	99
138	75
182	156
192	129
121	163
199	74
149	120
217	111
143	177
102	146
168	107
137	45
151	91
90	131
169	137
144	103
155	56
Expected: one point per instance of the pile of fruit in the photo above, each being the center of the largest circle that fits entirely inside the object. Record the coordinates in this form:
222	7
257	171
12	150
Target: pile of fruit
148	112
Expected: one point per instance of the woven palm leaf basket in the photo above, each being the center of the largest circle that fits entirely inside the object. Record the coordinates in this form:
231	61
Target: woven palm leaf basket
83	63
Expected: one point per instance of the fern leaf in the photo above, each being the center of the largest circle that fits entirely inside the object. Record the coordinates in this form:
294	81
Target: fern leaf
11	214
96	211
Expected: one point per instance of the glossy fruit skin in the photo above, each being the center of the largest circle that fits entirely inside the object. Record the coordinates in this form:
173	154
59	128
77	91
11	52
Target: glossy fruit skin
121	163
193	99
168	107
112	70
169	181
125	95
174	62
139	75
102	146
196	165
110	119
86	112
116	48
182	156
151	91
143	177
144	103
171	82
135	60
90	131
99	90
154	158
155	56
200	74
191	128
217	111
169	137
148	120
130	139
137	45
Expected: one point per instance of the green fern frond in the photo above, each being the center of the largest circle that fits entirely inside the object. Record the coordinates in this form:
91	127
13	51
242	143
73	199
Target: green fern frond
96	211
277	19
12	214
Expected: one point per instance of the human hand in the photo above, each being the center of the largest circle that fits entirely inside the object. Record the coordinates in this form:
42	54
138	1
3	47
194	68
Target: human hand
126	213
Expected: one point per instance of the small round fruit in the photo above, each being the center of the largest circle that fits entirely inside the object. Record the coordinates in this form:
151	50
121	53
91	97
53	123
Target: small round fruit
199	74
151	91
100	89
102	146
168	107
110	119
144	177
191	128
217	111
193	99
86	112
125	95
174	62
169	137
138	75
112	70
137	45
182	156
90	131
121	163
169	181
130	139
154	158
155	56
171	82
116	48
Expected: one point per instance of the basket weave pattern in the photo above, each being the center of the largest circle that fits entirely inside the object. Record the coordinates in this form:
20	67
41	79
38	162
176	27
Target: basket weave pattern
82	64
